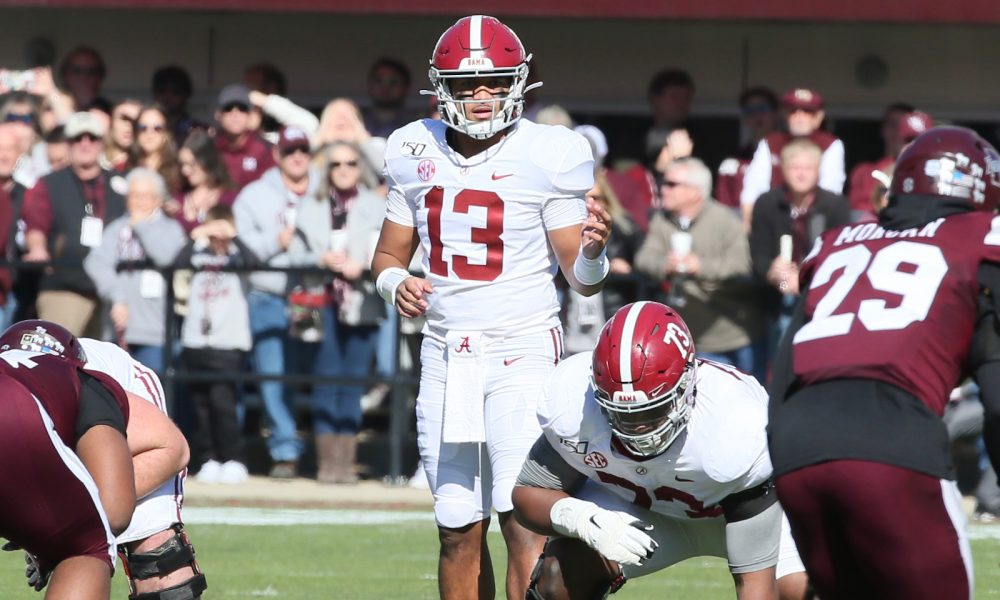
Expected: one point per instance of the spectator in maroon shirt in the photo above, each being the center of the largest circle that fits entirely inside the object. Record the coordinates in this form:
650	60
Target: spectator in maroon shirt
245	153
65	230
11	195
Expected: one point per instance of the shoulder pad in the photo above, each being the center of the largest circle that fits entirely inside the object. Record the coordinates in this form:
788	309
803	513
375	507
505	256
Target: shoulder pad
565	158
413	141
732	409
562	405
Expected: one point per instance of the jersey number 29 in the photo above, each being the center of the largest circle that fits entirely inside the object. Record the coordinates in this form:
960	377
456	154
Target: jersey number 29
916	285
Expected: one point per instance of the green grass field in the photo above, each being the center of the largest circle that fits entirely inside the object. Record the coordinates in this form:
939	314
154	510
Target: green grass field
347	562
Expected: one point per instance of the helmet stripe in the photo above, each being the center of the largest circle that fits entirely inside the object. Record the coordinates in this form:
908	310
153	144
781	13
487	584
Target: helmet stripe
476	37
625	350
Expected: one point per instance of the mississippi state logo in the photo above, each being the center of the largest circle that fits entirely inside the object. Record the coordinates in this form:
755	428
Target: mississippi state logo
595	460
426	169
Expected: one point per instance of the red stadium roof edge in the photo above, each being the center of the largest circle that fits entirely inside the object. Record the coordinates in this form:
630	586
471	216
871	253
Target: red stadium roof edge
898	11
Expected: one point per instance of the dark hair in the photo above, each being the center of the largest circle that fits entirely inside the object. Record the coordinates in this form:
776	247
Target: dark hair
57	135
271	77
169	168
202	146
220	211
670	78
172	77
903	107
759	91
64	66
391	63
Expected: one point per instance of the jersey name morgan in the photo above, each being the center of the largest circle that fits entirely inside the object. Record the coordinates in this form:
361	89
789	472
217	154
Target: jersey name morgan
894	306
722	451
482	221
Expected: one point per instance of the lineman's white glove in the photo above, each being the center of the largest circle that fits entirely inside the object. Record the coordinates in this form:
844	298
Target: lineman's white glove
618	536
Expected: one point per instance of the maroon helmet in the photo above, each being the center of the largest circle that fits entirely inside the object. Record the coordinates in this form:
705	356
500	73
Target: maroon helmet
480	47
953	162
643	376
45	337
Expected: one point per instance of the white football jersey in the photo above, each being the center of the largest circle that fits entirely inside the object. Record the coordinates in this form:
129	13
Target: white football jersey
131	374
482	221
723	449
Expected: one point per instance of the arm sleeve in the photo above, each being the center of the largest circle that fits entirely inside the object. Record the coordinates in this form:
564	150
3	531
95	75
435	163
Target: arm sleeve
753	544
162	238
98	406
37	209
397	209
831	168
563	212
263	241
984	356
546	468
101	266
651	258
287	112
757	178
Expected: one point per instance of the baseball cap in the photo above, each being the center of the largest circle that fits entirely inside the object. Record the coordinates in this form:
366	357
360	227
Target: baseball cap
913	124
292	137
803	98
80	123
235	93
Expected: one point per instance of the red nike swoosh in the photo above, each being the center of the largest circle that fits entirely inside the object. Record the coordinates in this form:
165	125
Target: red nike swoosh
495	176
509	361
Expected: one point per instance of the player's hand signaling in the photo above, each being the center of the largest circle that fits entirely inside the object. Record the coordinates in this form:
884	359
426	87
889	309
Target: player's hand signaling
596	229
411	296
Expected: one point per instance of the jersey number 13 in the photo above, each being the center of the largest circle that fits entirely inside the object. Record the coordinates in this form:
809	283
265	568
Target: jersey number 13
489	235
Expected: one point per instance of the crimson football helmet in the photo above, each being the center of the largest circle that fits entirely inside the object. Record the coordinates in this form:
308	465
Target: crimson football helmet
643	376
953	162
479	46
45	337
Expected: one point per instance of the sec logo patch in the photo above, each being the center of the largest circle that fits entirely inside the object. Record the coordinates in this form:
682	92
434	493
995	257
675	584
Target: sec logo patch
426	169
595	460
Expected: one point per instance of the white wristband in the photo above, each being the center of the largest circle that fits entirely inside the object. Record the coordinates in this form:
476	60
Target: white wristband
387	282
591	271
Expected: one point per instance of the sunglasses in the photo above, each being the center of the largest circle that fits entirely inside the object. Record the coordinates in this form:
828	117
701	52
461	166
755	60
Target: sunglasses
337	164
142	127
27	119
235	106
296	149
89	137
757	109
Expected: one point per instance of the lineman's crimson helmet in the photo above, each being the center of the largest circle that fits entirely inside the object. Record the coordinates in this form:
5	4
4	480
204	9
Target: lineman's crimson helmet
643	370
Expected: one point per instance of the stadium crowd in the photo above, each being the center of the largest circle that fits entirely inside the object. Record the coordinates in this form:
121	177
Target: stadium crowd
108	196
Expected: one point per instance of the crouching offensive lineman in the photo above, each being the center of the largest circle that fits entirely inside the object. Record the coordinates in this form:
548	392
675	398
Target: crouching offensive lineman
158	558
68	485
655	458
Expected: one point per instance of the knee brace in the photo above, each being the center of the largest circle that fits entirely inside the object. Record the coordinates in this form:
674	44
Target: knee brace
171	555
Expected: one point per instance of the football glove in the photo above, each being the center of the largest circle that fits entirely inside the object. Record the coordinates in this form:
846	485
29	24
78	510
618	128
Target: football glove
616	535
38	577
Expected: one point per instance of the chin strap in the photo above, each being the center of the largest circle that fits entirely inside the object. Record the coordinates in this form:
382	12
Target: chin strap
171	555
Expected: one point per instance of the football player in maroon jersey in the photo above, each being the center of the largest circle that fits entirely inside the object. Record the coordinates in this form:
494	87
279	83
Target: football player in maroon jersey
892	315
68	484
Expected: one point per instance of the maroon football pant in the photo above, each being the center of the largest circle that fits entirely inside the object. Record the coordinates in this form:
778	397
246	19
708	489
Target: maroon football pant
48	501
868	530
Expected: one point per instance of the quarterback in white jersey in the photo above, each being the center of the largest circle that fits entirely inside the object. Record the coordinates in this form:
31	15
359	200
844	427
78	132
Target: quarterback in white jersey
497	206
650	456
